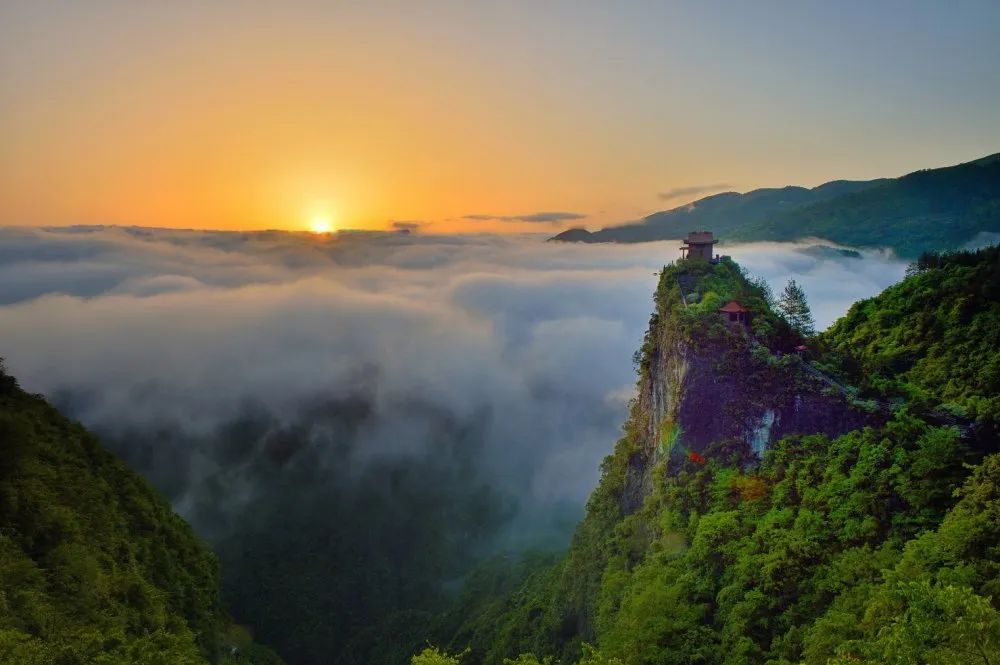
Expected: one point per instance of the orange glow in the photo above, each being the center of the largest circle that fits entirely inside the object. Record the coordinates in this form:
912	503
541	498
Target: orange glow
243	130
320	225
239	115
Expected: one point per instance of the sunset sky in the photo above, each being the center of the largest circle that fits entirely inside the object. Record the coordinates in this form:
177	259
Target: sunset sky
470	116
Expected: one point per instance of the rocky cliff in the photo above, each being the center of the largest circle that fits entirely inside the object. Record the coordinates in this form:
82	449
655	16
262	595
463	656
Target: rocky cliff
697	548
709	387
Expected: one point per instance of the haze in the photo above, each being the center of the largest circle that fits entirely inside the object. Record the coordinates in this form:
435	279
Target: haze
161	340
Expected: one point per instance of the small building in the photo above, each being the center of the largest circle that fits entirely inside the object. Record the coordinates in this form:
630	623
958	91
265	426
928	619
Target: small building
735	313
698	245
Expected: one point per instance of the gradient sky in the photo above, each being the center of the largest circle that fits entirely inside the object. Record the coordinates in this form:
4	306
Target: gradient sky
264	114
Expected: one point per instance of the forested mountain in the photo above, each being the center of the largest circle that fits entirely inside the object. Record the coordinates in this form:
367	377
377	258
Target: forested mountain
736	522
931	339
929	210
773	499
719	212
94	566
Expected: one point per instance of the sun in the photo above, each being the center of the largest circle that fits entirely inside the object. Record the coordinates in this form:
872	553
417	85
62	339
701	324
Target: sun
320	224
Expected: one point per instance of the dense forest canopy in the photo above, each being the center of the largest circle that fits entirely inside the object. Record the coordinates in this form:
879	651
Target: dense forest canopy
931	339
95	567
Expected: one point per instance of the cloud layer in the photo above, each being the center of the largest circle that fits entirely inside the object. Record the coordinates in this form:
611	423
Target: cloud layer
187	327
406	224
137	329
402	393
537	217
692	190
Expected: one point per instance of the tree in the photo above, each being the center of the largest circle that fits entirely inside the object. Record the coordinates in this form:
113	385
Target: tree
434	656
795	309
920	622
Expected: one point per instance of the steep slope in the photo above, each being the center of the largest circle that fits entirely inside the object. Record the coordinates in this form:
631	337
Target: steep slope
94	566
845	541
929	210
931	339
707	383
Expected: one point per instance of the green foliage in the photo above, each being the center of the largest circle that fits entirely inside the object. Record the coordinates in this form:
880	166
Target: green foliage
528	659
929	210
434	656
94	566
104	647
935	605
334	571
503	608
930	340
917	622
783	564
712	285
593	656
852	549
795	308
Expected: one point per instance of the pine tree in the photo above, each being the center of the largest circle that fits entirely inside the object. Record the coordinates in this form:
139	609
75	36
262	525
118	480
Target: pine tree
795	308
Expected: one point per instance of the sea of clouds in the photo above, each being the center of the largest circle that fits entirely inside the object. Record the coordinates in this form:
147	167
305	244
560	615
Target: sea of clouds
353	421
163	341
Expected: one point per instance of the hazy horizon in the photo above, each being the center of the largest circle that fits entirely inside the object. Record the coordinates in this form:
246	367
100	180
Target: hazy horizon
298	366
473	116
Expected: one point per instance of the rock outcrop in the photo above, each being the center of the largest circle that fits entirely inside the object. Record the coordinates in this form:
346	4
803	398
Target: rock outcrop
708	389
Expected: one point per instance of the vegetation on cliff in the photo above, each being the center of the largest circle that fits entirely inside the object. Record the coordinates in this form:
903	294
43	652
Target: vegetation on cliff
877	545
94	566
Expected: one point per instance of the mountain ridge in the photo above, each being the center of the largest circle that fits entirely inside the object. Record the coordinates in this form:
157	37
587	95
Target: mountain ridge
926	210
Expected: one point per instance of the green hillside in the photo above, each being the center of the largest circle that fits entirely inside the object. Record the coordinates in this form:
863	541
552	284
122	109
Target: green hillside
931	340
94	566
932	210
878	545
929	210
720	212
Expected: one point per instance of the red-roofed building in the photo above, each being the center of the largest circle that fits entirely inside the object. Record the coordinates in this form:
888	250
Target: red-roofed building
735	313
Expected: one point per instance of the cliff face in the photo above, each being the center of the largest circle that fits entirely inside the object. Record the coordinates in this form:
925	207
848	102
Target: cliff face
692	552
716	389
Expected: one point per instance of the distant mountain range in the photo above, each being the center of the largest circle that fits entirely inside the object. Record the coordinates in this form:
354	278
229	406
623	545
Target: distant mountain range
929	210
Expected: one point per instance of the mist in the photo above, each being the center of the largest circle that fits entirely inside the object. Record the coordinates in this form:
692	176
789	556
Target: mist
356	414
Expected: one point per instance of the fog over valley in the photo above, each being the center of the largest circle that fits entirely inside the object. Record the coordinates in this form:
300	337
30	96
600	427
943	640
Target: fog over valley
421	400
179	334
518	333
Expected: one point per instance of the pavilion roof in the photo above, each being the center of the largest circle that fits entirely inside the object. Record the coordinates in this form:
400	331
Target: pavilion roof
733	306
